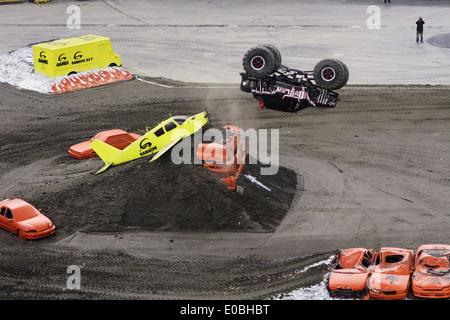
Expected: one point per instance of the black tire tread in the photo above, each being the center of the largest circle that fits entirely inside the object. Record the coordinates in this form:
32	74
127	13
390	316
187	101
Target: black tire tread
341	76
270	65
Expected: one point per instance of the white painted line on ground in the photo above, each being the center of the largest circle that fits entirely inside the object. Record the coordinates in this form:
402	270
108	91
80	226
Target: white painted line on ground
191	87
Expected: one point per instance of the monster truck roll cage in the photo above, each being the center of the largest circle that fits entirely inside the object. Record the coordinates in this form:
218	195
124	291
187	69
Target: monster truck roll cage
277	86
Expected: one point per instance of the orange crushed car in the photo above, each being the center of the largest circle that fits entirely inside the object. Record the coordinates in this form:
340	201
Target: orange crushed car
227	159
349	273
431	277
21	218
117	138
391	274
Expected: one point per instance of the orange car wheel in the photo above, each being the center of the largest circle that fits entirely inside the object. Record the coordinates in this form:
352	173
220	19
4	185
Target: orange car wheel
93	155
21	235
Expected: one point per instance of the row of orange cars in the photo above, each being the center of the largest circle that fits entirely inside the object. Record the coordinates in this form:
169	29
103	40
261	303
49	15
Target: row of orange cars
391	273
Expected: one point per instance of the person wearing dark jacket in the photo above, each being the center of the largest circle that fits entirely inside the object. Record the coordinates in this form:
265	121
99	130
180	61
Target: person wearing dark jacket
419	29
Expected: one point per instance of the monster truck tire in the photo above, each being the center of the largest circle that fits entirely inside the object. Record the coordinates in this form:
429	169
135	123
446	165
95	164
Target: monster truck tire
347	73
330	74
276	53
259	62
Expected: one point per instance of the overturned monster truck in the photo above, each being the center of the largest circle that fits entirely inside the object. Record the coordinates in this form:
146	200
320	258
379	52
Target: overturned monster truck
278	87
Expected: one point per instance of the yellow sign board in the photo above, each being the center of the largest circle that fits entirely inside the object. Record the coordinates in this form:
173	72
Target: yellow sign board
70	56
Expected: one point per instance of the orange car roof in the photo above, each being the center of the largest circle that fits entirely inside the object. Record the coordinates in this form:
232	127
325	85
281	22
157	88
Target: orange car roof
22	209
430	261
350	257
16	203
388	252
104	134
393	250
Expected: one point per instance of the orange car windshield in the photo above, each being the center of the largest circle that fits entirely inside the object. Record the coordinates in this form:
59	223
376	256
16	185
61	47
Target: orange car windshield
393	258
24	213
99	136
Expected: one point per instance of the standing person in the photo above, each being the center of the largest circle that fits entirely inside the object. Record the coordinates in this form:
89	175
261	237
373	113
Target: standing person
419	29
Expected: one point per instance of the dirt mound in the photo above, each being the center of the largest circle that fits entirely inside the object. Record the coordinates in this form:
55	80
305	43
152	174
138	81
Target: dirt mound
164	196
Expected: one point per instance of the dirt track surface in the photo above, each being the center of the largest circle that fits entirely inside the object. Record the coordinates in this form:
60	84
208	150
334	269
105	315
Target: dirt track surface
371	172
